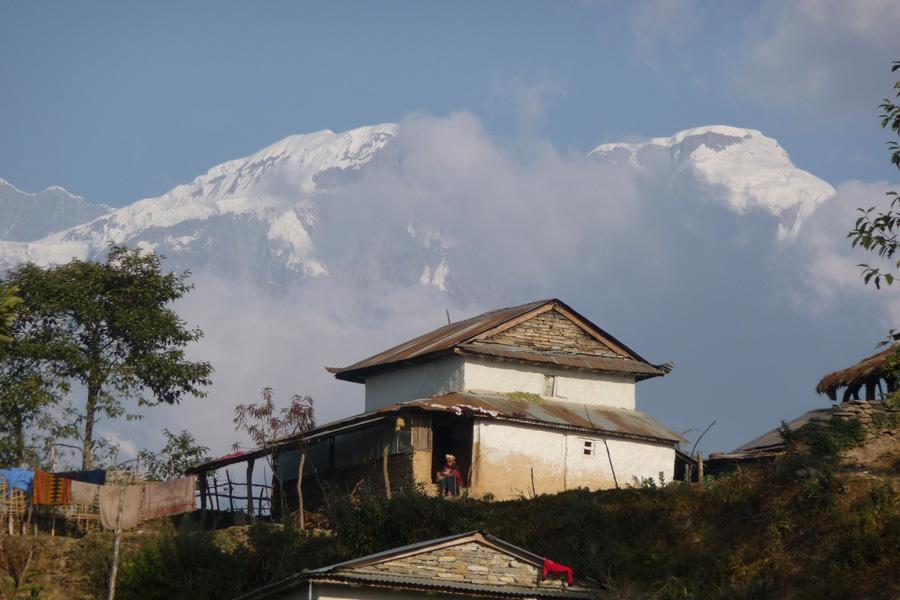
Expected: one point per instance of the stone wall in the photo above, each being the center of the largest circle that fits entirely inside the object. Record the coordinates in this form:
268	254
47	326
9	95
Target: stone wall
877	418
551	331
470	562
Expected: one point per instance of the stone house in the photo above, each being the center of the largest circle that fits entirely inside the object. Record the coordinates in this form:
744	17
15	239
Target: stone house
468	565
531	399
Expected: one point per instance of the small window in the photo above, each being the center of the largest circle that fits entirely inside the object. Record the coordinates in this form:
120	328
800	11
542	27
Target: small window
588	447
549	385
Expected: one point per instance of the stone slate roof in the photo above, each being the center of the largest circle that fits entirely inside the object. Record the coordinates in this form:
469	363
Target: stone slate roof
467	564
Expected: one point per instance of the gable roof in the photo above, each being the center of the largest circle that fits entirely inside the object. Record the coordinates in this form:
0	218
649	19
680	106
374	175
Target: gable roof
467	337
366	570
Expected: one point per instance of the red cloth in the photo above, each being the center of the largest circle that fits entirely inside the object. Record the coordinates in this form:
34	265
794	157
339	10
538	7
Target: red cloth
552	568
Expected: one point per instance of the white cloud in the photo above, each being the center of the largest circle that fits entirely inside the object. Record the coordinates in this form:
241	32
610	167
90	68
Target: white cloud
677	278
821	55
663	22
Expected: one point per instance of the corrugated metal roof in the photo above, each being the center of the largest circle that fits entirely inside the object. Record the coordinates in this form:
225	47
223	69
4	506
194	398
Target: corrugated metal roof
568	415
479	590
449	337
772	440
609	364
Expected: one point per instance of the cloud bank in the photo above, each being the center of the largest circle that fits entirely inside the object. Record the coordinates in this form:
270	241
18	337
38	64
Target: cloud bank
750	322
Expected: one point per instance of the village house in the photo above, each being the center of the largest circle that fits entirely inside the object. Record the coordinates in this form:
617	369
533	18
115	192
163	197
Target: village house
467	565
532	399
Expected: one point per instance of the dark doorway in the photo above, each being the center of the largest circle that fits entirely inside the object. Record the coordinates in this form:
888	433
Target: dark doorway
451	435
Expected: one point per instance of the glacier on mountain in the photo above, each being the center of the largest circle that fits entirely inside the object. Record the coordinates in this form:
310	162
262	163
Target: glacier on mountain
277	217
745	169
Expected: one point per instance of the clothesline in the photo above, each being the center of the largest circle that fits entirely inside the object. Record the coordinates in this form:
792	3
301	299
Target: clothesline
143	501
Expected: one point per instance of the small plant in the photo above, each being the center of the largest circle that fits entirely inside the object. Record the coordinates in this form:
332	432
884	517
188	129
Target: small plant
524	397
16	555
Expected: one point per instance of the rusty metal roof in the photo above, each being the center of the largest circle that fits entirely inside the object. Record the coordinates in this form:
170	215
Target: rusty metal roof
461	335
614	421
641	369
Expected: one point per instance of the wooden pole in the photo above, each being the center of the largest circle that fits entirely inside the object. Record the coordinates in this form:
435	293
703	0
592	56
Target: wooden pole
384	459
611	467
300	489
700	466
230	491
115	562
250	488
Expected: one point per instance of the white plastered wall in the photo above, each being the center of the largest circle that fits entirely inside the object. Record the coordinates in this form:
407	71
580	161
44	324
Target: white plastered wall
440	376
507	455
570	386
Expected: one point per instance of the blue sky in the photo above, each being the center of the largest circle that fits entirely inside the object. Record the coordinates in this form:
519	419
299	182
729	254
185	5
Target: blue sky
122	100
118	101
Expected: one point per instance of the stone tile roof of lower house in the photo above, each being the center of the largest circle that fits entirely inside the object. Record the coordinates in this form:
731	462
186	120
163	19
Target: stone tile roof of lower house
467	564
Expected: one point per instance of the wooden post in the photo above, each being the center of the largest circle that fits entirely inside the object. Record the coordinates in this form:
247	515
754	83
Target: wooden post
611	467
216	493
300	488
250	488
700	467
204	493
115	562
230	491
384	459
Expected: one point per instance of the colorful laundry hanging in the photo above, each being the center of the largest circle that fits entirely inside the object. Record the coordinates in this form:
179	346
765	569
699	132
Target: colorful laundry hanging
172	497
21	479
50	489
95	476
131	509
84	493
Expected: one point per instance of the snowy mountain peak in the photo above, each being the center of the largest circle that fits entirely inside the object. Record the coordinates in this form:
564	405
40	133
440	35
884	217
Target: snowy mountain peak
745	169
25	216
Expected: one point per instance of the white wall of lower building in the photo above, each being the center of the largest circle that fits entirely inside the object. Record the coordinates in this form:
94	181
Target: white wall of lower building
571	386
440	376
509	457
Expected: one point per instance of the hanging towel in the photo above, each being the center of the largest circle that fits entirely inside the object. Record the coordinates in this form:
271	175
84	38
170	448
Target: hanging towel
50	489
109	506
17	478
552	568
169	497
96	476
84	493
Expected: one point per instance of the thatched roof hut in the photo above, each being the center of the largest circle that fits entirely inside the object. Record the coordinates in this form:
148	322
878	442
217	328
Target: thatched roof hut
871	373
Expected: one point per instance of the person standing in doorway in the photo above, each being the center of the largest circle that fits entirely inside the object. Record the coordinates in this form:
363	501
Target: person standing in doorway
449	477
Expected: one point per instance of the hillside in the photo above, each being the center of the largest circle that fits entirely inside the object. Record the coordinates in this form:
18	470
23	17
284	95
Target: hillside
823	521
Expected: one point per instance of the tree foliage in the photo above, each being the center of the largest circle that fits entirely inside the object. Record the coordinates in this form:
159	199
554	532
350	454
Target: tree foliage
9	305
875	230
108	326
180	452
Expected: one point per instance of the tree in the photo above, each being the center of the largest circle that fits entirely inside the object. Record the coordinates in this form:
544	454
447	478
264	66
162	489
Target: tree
9	306
180	452
264	424
876	231
109	327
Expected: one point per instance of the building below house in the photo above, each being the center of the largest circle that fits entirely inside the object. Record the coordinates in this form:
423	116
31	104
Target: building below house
468	565
872	374
532	399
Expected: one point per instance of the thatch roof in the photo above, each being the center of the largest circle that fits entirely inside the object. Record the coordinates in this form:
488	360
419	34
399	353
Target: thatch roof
867	371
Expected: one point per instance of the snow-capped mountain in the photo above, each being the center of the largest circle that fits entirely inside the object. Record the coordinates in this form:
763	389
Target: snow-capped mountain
745	170
281	215
25	217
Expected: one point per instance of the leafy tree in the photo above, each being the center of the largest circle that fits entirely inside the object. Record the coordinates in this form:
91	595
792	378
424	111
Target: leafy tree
876	231
265	424
181	452
9	305
109	328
